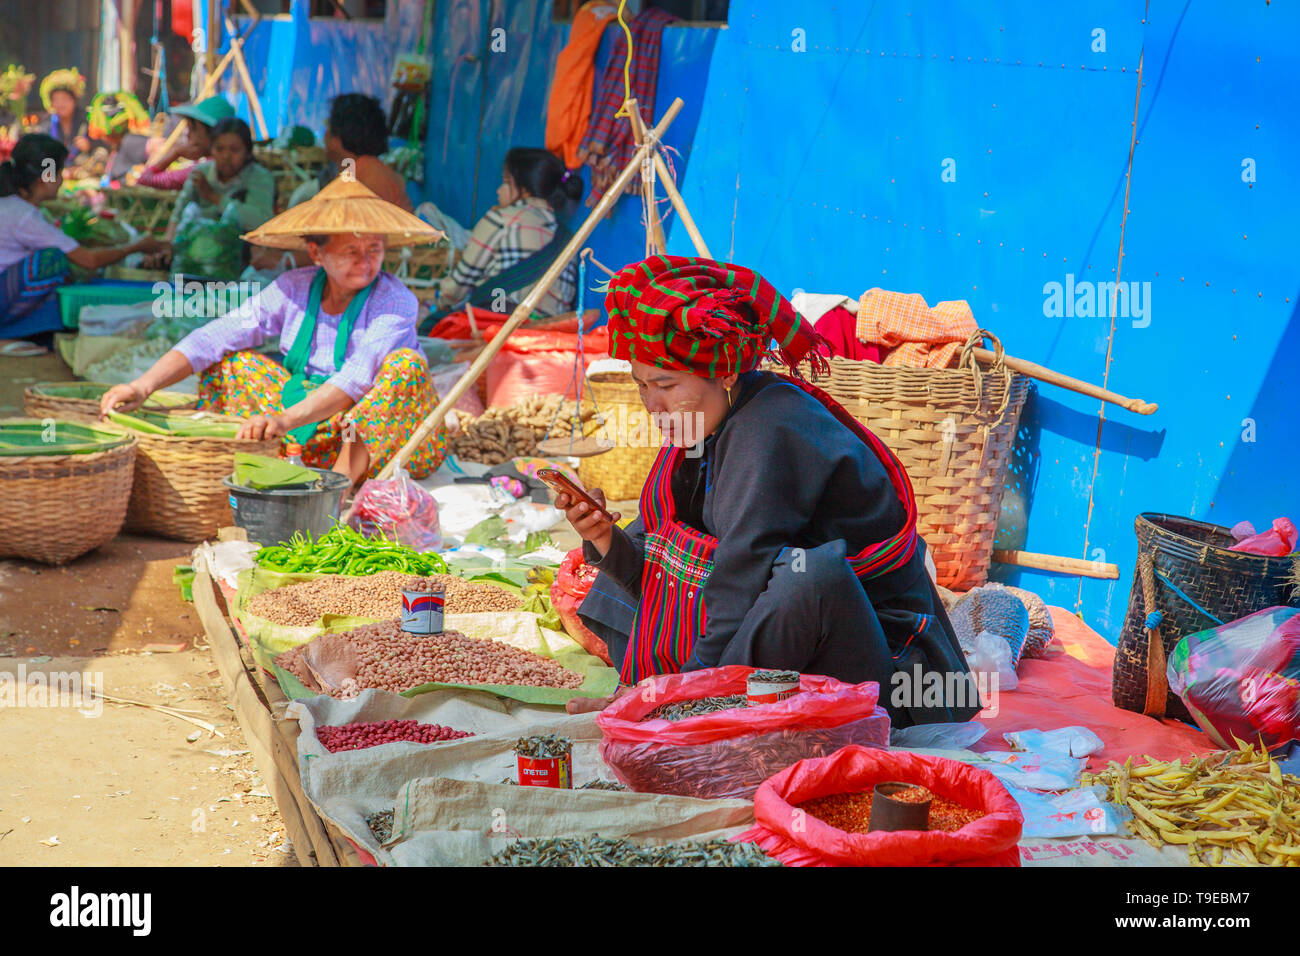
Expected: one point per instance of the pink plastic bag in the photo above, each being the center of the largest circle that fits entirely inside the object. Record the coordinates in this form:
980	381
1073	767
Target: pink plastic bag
729	753
400	509
1279	541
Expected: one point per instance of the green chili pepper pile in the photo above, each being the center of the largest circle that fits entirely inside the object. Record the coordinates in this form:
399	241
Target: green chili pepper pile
343	550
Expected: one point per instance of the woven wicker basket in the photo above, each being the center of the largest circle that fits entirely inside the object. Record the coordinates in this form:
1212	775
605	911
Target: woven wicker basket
147	210
1193	556
953	430
178	492
620	472
54	508
38	402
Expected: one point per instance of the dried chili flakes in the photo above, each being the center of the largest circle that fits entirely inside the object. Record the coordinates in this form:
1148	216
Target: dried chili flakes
851	812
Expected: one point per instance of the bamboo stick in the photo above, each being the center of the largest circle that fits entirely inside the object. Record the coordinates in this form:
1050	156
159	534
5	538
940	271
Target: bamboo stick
241	66
656	244
679	204
209	87
1052	562
525	308
1045	374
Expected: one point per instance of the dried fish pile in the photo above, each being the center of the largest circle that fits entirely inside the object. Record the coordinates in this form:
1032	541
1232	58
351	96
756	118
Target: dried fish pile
381	825
377	596
775	677
681	709
598	851
543	746
1233	807
503	433
389	658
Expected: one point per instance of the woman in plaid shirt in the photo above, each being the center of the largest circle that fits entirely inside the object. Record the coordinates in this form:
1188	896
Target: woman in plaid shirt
536	195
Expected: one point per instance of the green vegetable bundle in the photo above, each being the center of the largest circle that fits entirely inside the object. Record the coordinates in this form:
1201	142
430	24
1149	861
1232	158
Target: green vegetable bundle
343	550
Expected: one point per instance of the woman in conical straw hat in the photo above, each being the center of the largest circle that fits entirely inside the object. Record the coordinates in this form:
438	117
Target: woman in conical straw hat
353	383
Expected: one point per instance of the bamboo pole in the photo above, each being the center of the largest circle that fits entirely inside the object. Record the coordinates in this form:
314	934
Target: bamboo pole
209	87
680	205
213	40
656	244
241	66
525	308
1045	374
1052	562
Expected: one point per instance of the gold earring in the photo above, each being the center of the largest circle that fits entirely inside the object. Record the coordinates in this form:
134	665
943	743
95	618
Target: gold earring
729	401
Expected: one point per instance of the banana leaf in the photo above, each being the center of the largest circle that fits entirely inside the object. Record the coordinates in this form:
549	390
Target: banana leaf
262	471
23	437
177	426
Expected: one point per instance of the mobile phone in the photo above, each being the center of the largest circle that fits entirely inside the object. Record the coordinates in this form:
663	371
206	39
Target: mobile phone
562	484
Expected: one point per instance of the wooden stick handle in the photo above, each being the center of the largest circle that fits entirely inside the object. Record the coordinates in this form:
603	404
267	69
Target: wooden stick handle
1052	562
1045	374
680	205
525	308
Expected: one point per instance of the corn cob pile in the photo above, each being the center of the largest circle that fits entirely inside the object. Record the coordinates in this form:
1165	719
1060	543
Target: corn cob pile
1233	807
500	434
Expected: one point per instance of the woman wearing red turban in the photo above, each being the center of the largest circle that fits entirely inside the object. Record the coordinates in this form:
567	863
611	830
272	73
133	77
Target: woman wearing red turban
785	537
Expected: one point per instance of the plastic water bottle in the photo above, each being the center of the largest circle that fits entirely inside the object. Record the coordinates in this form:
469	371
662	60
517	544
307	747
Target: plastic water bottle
293	453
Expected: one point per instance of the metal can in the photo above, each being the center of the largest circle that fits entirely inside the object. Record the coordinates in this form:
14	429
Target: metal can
554	772
422	611
768	687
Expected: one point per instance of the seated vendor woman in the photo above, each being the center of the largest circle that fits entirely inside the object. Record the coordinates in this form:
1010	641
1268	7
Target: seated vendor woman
352	385
517	240
775	531
34	253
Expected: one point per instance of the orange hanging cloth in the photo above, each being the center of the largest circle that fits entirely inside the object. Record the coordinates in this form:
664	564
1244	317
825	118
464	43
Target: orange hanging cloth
569	108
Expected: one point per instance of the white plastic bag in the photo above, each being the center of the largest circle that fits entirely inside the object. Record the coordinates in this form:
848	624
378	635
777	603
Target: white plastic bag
1067	741
1033	771
938	736
1081	812
991	654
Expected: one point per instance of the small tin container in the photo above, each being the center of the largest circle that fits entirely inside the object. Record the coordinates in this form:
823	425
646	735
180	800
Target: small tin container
422	611
768	687
888	813
556	772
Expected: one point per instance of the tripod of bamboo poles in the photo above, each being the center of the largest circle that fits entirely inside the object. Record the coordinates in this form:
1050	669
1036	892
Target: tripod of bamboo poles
645	161
234	56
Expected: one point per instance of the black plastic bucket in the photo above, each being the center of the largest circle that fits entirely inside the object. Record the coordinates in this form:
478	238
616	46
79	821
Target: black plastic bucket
272	515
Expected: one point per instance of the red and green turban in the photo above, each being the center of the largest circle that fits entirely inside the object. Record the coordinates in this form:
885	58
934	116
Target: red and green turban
708	318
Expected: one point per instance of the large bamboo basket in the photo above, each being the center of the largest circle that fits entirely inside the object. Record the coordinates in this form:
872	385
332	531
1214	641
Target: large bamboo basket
953	430
44	401
178	492
620	472
54	508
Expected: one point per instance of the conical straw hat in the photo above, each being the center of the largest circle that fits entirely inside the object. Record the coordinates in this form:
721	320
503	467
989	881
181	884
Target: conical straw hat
344	207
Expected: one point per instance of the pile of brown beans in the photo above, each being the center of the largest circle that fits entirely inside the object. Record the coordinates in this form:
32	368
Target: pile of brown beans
363	734
390	659
377	596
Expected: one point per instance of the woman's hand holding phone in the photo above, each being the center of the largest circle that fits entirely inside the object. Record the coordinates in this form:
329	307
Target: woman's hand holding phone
595	525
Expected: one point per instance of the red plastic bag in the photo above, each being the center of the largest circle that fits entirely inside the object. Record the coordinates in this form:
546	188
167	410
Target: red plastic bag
400	509
797	839
729	753
1280	540
1242	679
572	582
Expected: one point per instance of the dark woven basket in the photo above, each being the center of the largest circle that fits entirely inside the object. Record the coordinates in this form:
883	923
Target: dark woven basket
1194	556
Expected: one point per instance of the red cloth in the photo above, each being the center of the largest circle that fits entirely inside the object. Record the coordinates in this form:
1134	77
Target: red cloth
608	145
1069	686
839	328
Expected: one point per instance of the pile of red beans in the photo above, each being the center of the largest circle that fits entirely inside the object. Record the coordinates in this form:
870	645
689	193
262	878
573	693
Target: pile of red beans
359	736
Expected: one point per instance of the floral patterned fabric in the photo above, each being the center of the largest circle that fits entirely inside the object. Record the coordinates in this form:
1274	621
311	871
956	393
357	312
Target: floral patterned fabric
249	383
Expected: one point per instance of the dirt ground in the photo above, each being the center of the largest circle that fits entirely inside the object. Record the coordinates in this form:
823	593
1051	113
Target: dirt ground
125	785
